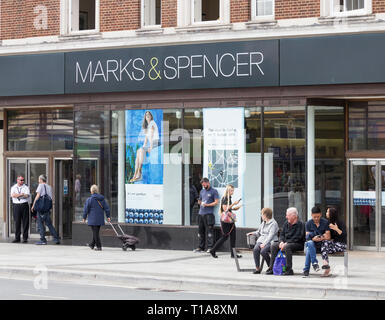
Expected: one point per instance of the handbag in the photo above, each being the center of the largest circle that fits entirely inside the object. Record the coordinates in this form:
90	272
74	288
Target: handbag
228	216
279	266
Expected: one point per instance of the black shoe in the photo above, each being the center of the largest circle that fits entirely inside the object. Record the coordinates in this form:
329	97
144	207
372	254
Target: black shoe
25	241
98	249
269	271
238	256
57	242
16	241
257	271
306	273
90	246
213	254
289	272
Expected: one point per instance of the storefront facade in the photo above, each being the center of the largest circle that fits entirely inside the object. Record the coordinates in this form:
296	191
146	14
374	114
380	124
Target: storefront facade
280	120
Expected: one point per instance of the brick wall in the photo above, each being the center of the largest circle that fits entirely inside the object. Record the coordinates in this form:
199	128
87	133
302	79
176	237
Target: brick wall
239	11
17	18
378	6
291	9
169	13
117	15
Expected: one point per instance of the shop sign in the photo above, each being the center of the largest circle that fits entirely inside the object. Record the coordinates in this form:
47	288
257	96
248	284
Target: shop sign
219	65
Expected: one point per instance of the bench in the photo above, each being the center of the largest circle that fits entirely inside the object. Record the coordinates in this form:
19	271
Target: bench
297	253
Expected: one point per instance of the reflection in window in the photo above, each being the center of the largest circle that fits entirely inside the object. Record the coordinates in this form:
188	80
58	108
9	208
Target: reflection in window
284	147
40	130
367	125
206	10
329	158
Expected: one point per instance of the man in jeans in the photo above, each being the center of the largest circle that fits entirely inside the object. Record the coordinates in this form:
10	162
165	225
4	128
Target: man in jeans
208	199
317	230
291	239
43	218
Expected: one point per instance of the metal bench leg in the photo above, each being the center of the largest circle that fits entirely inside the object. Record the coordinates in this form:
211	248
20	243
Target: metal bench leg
345	263
236	259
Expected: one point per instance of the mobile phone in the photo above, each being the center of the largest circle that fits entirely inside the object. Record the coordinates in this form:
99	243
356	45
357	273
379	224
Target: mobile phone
240	199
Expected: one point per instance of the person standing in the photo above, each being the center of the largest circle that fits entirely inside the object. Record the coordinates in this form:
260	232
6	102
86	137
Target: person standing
94	209
291	239
20	198
227	228
208	199
44	218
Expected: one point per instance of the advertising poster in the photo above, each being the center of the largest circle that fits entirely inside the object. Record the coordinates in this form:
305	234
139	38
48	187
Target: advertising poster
144	166
224	149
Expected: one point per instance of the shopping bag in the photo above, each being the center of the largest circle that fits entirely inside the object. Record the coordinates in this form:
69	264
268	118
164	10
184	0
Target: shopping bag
279	266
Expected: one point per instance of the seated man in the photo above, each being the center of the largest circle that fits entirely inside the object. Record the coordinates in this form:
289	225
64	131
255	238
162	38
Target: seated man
317	230
291	239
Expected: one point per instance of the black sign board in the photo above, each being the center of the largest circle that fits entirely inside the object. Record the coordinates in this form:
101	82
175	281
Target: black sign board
216	65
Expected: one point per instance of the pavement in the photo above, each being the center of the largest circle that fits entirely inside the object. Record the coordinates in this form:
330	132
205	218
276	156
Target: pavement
178	270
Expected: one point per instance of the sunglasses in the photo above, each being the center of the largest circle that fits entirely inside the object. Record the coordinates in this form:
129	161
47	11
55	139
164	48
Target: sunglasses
21	179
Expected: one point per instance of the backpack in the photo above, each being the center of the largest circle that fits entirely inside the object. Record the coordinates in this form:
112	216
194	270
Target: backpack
44	203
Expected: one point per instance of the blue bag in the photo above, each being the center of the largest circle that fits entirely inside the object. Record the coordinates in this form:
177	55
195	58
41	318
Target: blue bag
279	266
44	203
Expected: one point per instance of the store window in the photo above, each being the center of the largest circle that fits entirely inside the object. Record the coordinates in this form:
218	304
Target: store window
91	157
40	130
329	168
151	13
366	125
284	160
262	8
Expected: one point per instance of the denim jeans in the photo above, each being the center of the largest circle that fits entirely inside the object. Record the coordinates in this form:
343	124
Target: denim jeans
45	219
311	254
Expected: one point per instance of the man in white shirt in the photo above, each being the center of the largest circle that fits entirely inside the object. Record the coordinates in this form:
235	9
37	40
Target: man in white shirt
20	198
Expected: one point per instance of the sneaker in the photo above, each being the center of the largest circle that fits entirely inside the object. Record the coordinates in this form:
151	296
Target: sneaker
316	267
208	250
90	246
289	272
269	271
305	273
257	271
198	250
41	243
238	256
98	249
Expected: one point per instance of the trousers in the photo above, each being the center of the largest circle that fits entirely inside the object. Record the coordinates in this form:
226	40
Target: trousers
228	230
206	225
95	237
21	216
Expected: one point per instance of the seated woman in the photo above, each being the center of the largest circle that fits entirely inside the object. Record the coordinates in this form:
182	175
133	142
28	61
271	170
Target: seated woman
266	233
151	132
338	240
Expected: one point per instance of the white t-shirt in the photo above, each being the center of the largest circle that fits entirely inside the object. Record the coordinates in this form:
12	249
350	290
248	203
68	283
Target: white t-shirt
22	189
151	125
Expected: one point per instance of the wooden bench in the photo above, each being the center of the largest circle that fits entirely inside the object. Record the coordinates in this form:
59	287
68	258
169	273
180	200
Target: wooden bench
297	253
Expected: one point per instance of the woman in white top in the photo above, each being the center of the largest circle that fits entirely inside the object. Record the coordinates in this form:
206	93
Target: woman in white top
151	140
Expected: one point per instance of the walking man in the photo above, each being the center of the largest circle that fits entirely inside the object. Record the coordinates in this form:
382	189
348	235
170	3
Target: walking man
208	199
43	218
20	197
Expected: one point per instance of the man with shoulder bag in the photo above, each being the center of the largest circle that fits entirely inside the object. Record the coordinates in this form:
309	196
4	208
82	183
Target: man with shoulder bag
42	205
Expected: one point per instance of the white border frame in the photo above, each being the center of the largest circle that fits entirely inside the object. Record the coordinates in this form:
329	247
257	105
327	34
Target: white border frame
143	17
224	14
66	19
253	15
329	9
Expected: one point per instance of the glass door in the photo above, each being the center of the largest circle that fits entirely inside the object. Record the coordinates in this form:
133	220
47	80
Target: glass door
30	169
367	202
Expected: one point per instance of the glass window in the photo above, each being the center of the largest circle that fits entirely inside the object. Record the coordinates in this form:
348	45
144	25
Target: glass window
329	158
83	15
206	10
367	125
261	8
91	157
284	160
151	10
350	7
153	166
40	130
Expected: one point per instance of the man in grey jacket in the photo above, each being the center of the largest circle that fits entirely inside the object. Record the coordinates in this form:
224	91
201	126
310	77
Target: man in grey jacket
266	233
